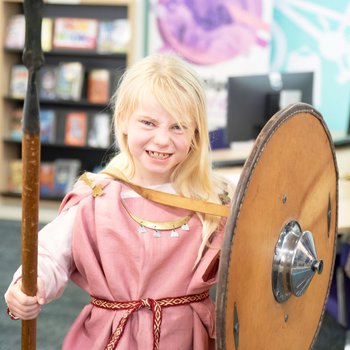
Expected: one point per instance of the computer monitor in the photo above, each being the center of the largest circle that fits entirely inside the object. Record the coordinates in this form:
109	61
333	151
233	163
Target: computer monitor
253	100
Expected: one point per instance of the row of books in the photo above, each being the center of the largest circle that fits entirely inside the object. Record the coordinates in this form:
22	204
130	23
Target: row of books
67	81
102	36
56	178
76	128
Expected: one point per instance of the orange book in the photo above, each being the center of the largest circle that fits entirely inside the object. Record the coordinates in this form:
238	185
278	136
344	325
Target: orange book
47	179
98	86
76	129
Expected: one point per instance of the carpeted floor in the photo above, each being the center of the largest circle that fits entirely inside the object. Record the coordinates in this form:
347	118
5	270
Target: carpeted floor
54	320
56	317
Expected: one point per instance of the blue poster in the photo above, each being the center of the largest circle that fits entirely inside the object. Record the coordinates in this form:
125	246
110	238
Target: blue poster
314	35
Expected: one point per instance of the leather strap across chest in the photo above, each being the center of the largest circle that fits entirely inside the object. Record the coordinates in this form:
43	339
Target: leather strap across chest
171	199
155	305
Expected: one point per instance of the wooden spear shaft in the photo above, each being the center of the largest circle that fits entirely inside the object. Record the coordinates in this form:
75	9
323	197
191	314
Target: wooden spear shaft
33	60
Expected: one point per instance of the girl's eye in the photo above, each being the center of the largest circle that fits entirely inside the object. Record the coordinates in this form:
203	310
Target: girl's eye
147	122
180	127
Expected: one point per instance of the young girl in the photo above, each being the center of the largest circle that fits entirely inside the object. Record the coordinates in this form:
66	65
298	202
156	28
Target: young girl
147	266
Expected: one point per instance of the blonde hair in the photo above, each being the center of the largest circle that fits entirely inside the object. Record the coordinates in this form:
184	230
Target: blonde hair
177	88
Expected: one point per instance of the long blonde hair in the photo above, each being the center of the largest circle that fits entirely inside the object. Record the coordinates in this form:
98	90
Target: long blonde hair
180	92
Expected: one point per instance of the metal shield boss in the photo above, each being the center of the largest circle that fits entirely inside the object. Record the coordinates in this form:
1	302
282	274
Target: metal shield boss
279	246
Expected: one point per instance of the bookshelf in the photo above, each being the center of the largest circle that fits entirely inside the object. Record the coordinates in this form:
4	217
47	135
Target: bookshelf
90	59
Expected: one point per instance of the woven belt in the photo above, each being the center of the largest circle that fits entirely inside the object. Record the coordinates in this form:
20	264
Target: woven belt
154	305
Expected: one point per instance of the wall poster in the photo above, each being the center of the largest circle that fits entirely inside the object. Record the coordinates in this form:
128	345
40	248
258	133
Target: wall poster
314	35
220	38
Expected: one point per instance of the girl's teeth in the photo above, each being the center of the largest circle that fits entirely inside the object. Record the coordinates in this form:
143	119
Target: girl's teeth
159	155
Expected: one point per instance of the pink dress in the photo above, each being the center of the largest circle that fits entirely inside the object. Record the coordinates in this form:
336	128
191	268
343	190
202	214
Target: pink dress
113	261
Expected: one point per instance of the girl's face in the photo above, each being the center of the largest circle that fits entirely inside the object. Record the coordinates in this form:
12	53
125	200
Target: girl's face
156	142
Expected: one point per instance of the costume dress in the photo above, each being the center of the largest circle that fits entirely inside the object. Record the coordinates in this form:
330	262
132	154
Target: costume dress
112	260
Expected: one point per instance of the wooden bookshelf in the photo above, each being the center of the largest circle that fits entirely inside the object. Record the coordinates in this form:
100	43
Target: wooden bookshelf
100	10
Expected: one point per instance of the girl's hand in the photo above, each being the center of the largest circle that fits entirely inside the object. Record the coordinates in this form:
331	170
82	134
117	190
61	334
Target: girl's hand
23	306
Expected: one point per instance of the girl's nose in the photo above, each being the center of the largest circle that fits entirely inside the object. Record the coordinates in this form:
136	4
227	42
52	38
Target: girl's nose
161	137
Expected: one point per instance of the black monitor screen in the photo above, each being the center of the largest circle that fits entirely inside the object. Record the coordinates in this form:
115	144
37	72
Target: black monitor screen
252	100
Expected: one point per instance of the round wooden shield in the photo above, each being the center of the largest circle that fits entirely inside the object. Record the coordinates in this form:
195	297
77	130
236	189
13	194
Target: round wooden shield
290	176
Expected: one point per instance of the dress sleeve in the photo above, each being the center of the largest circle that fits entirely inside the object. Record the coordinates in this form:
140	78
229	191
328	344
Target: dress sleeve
214	251
55	262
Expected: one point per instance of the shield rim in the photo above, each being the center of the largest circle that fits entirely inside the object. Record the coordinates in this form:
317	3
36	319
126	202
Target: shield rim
248	169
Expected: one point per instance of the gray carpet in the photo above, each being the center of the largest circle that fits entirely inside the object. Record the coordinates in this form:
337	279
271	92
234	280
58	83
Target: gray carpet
54	320
56	317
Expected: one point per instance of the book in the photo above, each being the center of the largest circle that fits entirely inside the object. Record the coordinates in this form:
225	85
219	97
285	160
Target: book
113	36
47	179
47	82
75	33
46	34
98	86
100	130
15	32
66	172
70	77
15	176
76	128
15	127
18	81
47	126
